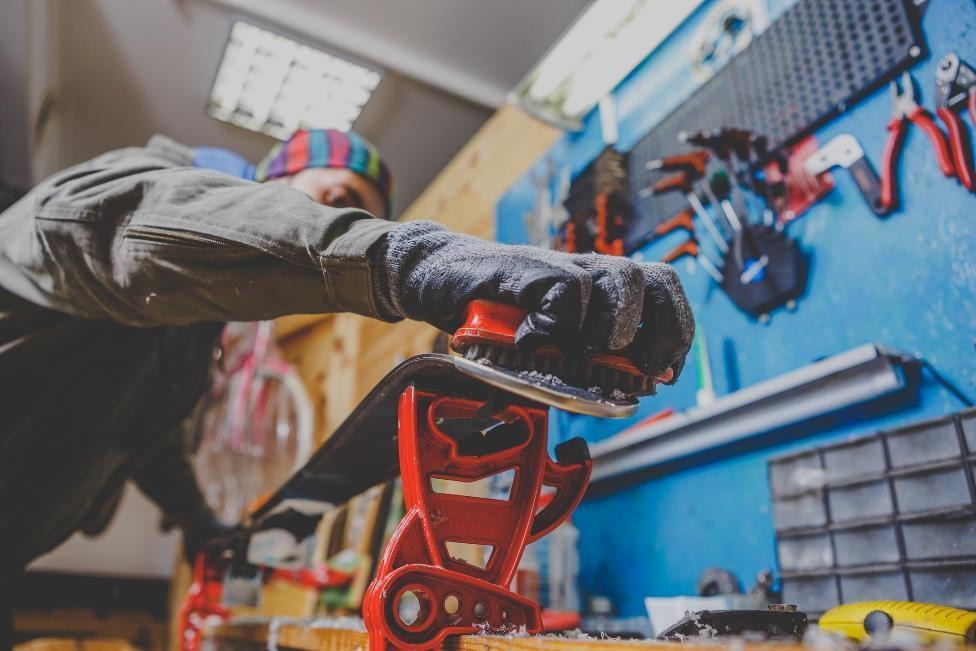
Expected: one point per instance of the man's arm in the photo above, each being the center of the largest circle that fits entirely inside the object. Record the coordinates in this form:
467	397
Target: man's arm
139	237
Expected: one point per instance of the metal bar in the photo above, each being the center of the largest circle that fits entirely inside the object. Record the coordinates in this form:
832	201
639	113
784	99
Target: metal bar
849	378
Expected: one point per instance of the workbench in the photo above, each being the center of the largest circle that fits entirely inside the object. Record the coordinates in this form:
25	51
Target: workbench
325	638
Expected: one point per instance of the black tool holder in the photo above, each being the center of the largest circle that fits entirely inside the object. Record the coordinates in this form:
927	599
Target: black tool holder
811	64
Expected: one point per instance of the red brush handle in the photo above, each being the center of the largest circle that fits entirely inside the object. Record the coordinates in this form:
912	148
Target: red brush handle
489	322
921	118
496	323
958	142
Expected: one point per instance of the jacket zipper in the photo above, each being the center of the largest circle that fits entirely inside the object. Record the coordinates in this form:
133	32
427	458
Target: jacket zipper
159	235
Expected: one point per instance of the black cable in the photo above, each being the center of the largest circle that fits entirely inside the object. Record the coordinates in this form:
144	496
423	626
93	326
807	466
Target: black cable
946	384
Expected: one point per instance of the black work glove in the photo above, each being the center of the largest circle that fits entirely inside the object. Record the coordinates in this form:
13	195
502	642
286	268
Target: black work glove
200	532
578	301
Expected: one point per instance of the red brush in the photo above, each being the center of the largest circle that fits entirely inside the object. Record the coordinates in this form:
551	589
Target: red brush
488	337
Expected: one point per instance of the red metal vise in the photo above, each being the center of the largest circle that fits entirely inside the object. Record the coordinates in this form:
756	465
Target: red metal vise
451	596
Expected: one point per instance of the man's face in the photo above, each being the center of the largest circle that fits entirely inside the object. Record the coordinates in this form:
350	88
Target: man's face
339	188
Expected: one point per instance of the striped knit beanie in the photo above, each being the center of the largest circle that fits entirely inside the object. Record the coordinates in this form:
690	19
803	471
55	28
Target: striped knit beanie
328	148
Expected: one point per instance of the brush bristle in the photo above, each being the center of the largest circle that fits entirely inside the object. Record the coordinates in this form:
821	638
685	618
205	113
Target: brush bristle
568	370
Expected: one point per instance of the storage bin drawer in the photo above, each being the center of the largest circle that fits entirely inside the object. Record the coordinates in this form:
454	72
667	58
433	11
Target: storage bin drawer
805	510
932	490
935	441
859	501
855	459
811	594
969	432
796	474
806	553
870	586
866	546
947	538
951	585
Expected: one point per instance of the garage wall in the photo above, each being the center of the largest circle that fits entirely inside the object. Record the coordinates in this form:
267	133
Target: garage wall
131	69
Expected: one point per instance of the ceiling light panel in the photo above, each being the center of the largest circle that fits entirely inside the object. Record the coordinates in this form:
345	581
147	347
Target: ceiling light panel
274	85
608	40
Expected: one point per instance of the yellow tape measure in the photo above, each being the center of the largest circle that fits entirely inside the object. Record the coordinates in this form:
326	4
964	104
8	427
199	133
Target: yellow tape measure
878	619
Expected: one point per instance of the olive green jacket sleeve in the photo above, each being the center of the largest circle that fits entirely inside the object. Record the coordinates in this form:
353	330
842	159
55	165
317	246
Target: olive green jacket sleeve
140	237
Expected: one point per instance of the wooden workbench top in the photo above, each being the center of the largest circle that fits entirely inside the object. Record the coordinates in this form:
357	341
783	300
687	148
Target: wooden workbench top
324	638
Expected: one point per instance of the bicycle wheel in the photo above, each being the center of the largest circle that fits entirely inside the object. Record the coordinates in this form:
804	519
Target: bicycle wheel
239	463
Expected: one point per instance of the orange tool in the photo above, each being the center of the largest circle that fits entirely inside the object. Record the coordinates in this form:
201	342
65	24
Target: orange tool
690	247
684	182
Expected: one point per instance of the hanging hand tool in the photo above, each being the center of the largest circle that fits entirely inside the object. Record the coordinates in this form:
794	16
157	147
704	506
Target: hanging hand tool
683	220
682	182
845	151
716	143
690	247
773	189
955	86
721	184
695	163
741	152
609	226
907	110
765	270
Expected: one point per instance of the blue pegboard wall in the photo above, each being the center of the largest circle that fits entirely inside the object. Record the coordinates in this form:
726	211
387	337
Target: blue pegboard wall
907	282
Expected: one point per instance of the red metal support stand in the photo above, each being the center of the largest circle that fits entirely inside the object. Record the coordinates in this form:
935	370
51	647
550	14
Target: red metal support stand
451	596
202	601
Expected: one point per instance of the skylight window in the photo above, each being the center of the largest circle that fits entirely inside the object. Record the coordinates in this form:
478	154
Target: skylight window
274	85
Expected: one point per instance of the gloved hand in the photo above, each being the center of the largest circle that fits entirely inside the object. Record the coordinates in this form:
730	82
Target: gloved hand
198	533
599	302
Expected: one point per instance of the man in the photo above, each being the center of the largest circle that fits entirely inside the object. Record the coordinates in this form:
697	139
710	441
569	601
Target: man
116	275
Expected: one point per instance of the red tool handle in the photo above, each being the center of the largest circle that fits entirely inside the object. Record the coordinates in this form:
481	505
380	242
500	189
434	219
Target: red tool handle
921	118
678	181
889	164
693	161
959	144
689	247
684	219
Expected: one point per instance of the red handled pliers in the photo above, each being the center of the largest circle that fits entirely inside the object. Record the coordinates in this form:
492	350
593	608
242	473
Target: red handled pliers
955	87
907	110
